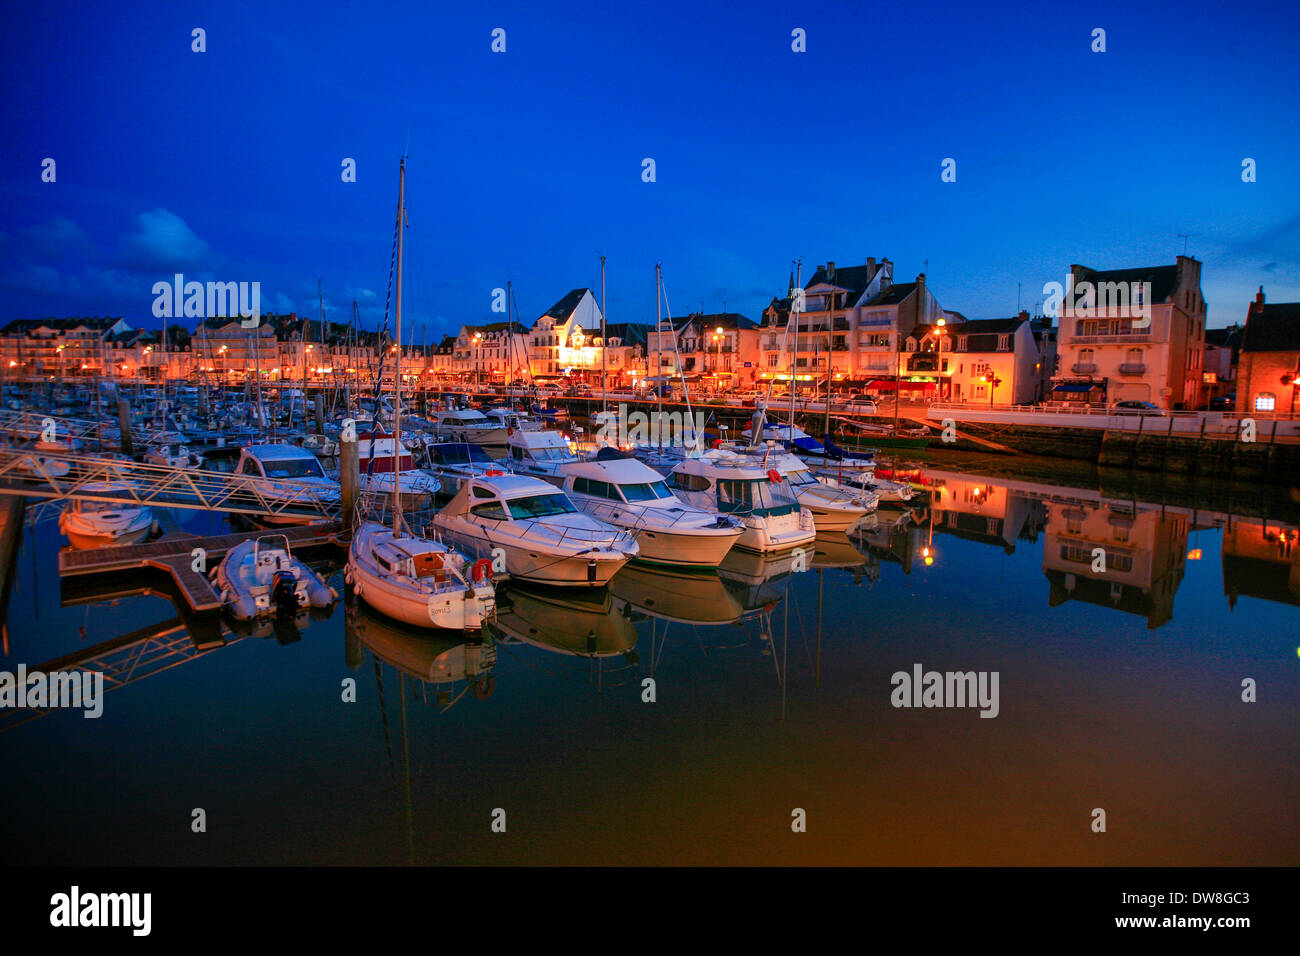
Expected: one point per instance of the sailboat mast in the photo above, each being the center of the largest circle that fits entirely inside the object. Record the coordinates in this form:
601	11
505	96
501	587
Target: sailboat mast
794	357
397	368
659	360
604	340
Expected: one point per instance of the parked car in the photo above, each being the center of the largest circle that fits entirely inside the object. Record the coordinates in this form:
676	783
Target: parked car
863	404
1224	403
1136	408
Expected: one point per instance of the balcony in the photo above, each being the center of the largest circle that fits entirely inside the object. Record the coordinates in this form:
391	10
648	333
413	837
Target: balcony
840	325
1133	368
1135	338
1084	368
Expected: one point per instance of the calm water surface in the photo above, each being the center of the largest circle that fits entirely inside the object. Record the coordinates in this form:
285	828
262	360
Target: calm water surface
1118	690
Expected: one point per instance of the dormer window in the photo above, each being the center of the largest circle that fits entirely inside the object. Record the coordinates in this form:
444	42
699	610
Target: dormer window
961	343
1004	343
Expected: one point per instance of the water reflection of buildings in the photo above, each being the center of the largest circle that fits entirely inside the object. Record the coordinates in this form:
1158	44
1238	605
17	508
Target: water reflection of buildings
1143	557
1146	545
1261	559
975	509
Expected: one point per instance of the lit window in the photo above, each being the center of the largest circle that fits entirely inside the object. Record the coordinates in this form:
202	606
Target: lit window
1264	402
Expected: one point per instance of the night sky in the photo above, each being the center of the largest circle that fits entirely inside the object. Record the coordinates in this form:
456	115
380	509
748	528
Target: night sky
526	165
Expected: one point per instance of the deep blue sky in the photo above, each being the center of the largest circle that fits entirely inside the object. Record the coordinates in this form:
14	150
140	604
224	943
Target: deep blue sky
523	165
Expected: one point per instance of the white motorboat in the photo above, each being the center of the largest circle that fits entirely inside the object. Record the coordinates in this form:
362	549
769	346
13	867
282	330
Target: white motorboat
290	480
621	491
867	482
452	462
468	425
95	524
172	456
834	508
512	421
418	580
536	529
539	453
262	577
382	468
818	455
738	485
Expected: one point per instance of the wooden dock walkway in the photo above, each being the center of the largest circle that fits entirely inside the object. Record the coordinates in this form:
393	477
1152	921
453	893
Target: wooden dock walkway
174	555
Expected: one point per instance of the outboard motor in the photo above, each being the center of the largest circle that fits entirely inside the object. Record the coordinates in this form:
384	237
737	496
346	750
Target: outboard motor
284	593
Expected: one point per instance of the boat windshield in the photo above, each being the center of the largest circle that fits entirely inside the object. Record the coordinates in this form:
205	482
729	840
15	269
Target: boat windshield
756	496
540	506
550	453
462	455
648	491
293	468
801	477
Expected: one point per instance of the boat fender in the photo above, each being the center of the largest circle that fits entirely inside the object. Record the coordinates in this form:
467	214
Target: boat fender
319	594
483	689
244	609
493	473
482	570
591	571
774	476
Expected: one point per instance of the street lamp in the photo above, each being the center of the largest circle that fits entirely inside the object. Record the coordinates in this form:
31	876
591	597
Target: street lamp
938	372
993	382
478	352
717	365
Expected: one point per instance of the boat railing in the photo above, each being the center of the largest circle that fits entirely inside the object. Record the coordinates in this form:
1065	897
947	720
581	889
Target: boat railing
663	517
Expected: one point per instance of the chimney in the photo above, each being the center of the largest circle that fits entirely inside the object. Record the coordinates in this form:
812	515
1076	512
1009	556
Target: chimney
830	269
1259	298
871	267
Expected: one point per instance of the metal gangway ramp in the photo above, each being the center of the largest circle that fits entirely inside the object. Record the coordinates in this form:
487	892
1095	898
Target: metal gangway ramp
63	475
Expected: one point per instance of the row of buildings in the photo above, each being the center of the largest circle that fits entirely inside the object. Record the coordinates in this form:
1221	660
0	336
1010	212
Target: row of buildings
1114	335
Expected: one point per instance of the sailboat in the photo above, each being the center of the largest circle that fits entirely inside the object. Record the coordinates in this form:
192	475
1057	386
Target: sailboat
406	576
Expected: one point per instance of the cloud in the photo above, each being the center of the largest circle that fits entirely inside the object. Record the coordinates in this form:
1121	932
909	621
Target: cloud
54	239
164	242
28	278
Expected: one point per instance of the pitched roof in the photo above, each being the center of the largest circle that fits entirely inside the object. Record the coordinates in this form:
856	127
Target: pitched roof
728	320
1163	279
490	327
24	326
981	334
1272	328
564	308
893	295
854	279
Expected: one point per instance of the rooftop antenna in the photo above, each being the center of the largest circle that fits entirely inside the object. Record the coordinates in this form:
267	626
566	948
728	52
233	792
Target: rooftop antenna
1185	236
1018	285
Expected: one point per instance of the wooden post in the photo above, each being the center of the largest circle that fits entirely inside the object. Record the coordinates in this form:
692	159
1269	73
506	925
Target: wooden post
349	481
124	423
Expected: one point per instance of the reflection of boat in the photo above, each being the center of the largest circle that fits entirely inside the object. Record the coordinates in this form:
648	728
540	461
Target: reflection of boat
284	628
581	623
441	658
758	581
835	550
692	597
94	524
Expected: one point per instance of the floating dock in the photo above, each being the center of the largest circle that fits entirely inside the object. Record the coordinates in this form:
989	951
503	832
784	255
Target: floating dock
175	556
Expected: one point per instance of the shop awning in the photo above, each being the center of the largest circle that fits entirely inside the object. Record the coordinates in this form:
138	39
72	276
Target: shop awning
1075	387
